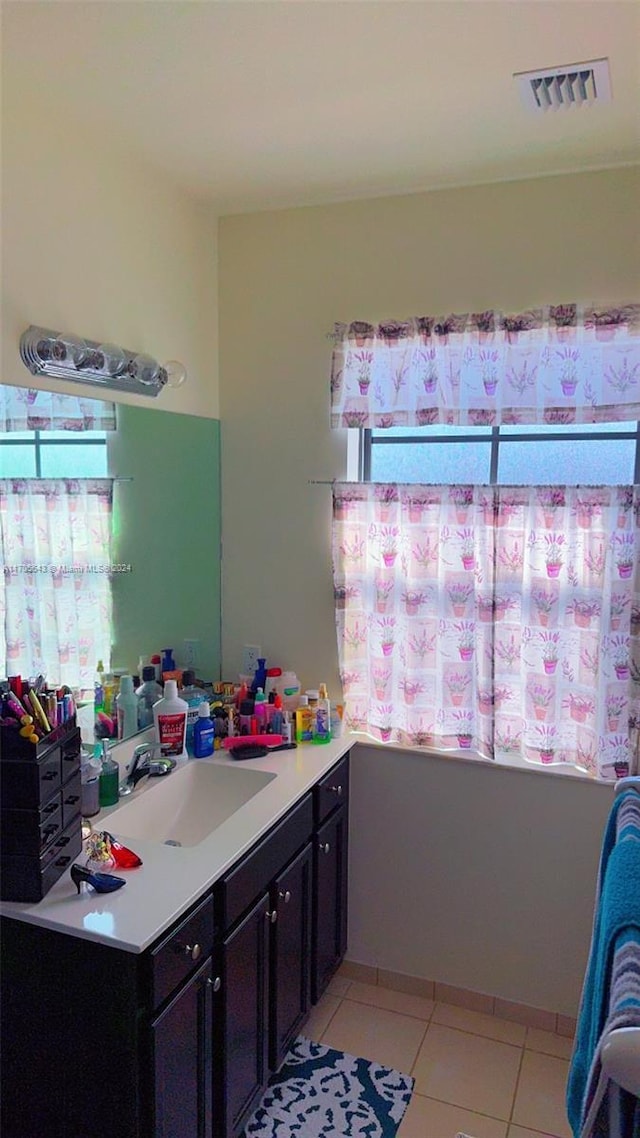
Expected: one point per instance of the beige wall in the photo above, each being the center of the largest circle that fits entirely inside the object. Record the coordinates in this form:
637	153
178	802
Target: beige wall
285	277
96	243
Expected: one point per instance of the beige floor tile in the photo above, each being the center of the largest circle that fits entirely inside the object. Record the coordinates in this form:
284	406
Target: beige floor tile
376	1034
426	1118
339	986
320	1017
467	1070
549	1043
393	1001
540	1099
522	1132
479	1024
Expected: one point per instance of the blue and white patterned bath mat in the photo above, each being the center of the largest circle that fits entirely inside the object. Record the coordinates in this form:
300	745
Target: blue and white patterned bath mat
319	1092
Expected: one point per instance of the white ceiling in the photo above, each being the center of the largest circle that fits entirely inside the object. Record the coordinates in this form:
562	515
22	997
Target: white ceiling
260	103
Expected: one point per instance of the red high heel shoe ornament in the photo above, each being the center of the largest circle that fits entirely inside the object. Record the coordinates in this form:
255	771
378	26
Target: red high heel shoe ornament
123	857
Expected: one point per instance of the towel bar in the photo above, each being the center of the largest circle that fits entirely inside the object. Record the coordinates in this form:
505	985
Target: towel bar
631	782
620	1056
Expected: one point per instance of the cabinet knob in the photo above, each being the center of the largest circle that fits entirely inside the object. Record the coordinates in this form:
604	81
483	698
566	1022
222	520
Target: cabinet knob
325	847
192	950
336	790
215	984
286	896
272	916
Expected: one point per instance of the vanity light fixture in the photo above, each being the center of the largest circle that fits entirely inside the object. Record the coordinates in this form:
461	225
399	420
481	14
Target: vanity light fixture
106	366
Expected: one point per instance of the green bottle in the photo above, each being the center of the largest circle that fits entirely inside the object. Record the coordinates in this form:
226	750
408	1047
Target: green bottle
109	778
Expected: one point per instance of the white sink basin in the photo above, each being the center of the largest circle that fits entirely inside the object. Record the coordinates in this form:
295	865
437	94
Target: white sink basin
185	806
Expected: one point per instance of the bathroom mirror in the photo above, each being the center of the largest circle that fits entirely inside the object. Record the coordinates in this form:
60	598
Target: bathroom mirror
166	526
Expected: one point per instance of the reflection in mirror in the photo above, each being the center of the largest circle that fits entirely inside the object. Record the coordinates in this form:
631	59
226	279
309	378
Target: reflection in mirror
163	584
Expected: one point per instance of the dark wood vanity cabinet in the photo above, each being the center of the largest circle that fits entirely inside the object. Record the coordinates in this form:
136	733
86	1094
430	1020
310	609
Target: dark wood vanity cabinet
330	876
182	1057
180	1041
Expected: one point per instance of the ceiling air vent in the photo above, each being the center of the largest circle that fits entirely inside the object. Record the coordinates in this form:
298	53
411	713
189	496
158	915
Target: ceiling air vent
575	85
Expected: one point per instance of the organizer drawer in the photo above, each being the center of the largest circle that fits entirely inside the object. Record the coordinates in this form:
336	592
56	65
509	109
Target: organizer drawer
24	878
71	795
332	790
30	831
70	756
29	785
182	951
242	885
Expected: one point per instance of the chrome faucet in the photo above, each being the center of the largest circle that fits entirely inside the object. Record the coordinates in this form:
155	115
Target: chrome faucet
144	765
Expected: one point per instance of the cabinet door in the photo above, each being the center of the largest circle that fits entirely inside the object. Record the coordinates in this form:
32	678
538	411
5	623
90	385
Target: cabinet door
243	1052
329	900
290	954
183	1060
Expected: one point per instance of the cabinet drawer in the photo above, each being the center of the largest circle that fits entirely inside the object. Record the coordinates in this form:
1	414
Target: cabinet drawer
332	790
28	785
182	951
254	873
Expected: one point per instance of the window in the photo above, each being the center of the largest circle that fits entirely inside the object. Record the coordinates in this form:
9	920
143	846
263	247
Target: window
55	538
602	453
53	454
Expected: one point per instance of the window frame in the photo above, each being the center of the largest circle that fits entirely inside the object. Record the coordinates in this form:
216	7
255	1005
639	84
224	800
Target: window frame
41	440
527	434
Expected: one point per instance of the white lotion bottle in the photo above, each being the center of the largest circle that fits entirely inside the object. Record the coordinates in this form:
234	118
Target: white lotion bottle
170	722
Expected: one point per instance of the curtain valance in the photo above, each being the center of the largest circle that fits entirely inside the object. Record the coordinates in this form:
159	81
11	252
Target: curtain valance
29	409
565	363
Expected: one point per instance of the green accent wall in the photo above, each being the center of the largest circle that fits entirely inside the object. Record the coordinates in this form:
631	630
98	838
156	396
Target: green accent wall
167	527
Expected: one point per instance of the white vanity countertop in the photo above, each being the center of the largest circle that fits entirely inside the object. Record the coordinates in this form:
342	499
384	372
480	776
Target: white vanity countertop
171	878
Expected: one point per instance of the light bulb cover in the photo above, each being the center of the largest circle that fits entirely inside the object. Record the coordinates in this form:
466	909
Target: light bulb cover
114	359
176	373
144	368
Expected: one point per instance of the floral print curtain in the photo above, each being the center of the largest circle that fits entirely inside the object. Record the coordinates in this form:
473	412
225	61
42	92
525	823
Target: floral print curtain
564	363
55	590
28	409
502	619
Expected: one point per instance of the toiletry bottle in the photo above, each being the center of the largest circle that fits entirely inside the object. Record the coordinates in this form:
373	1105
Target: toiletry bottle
170	721
203	733
194	697
288	685
276	718
260	712
127	708
147	694
322	717
168	662
90	769
304	721
98	689
109	778
245	715
260	677
286	728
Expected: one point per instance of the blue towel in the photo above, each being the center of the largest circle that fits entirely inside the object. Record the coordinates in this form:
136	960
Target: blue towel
617	909
609	1110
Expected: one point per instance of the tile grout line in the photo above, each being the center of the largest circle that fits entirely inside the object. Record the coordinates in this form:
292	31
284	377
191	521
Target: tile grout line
511	1122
